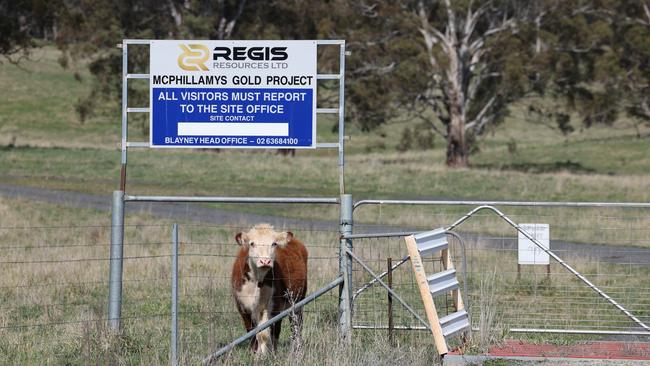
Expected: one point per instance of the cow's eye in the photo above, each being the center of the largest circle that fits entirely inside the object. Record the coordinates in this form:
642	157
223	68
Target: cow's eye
252	244
274	244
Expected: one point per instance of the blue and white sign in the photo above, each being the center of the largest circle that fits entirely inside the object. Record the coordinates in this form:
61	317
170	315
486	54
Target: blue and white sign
233	94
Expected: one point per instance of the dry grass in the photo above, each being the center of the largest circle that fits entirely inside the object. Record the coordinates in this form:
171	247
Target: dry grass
54	285
54	289
604	226
490	331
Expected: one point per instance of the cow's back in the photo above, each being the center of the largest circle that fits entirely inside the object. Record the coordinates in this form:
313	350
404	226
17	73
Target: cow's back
290	270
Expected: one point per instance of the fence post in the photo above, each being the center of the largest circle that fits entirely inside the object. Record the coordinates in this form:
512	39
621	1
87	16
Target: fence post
174	270
345	268
389	279
115	279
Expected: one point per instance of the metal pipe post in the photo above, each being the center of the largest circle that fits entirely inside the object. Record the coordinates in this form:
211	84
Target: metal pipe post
345	269
174	270
505	203
342	118
219	199
125	103
389	264
115	279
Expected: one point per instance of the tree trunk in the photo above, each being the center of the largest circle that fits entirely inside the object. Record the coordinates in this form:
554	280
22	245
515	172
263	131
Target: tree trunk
457	147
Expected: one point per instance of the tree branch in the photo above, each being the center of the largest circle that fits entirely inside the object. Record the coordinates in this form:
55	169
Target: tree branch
644	108
480	120
375	69
231	24
434	35
451	24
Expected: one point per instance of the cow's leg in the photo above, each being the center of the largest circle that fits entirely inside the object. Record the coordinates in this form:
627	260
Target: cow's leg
275	330
264	337
262	312
248	324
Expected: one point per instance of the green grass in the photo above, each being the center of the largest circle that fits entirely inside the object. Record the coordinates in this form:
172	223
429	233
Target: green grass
38	105
44	144
611	156
55	150
234	173
61	304
53	295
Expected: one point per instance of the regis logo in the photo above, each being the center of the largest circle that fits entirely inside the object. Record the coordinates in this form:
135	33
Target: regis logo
250	53
193	57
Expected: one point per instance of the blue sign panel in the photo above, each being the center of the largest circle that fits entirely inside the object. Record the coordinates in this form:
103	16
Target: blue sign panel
224	94
232	117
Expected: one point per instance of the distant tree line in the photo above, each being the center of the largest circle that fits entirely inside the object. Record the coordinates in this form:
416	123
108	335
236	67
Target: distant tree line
456	66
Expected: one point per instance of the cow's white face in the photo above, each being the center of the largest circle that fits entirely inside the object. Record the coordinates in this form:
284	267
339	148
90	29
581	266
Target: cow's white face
262	242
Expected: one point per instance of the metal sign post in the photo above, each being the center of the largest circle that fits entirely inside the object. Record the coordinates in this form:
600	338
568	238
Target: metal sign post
233	94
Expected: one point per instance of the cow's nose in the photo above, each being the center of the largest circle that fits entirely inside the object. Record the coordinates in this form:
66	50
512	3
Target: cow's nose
266	262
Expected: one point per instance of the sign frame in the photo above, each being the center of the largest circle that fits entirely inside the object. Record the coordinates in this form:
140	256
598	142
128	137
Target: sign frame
291	134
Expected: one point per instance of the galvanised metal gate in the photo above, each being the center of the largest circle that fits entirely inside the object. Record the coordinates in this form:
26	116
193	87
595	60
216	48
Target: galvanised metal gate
597	286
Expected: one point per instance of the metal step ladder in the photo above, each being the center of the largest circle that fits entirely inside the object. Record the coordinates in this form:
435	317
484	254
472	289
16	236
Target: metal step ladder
438	284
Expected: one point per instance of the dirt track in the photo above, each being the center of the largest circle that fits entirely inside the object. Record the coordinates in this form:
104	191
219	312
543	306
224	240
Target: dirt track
194	212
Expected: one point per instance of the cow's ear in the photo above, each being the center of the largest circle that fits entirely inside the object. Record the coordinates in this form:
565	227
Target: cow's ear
239	238
282	239
289	236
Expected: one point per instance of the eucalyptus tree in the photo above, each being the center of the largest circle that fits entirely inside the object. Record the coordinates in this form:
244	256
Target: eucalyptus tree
22	22
477	55
89	30
596	57
620	59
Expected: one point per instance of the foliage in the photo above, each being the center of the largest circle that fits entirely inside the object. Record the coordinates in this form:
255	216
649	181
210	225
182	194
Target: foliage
422	140
20	22
456	66
406	140
597	55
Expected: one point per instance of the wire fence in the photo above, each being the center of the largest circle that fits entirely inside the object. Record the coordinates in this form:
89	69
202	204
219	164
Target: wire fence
208	319
375	309
54	283
54	290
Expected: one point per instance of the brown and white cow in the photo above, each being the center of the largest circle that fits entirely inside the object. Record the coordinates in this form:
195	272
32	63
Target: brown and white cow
269	274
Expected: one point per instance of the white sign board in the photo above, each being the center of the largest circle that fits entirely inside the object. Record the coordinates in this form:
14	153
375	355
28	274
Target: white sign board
233	94
529	253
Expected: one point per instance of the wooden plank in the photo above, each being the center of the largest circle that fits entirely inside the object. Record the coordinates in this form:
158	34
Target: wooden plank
427	299
447	263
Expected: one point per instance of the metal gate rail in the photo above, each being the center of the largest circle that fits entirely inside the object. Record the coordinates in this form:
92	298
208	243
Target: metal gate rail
213	357
368	284
582	278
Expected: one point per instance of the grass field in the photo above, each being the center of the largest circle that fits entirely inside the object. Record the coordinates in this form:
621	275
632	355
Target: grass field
54	290
45	144
54	263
